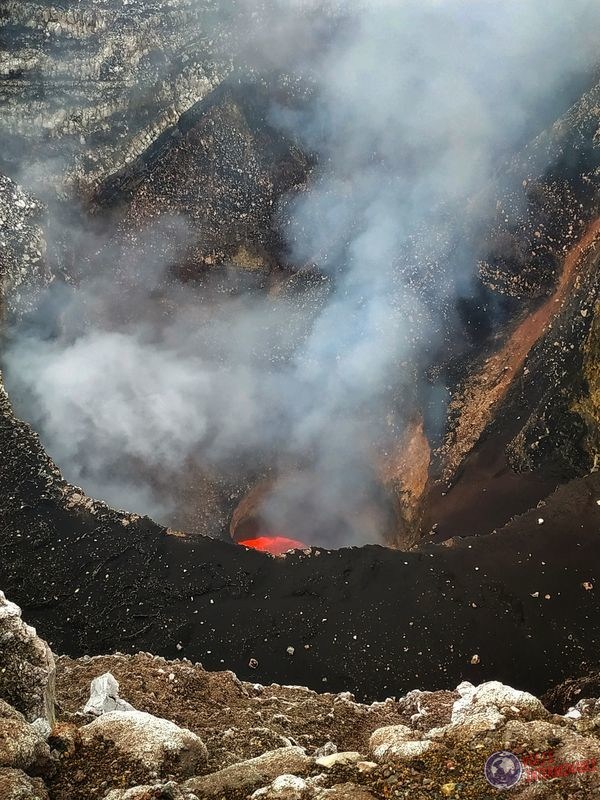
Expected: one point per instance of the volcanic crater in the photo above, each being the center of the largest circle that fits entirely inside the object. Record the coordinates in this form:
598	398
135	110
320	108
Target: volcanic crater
158	205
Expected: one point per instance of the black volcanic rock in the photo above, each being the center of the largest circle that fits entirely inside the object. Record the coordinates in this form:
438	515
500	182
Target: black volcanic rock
223	168
370	620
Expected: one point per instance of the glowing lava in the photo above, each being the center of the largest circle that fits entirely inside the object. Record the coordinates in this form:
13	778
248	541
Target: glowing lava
276	545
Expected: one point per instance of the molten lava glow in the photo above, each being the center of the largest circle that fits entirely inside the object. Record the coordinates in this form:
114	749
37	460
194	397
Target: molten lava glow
276	545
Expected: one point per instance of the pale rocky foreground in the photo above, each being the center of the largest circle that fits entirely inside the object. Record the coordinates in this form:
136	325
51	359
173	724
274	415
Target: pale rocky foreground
179	733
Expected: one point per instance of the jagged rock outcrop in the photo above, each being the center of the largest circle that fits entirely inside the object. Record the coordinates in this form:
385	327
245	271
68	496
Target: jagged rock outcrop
27	683
104	696
23	270
86	90
27	666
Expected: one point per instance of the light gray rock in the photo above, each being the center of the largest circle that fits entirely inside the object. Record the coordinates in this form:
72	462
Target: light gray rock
16	785
326	750
246	776
480	720
493	694
23	271
98	63
484	709
406	751
338	759
104	696
383	739
27	666
156	744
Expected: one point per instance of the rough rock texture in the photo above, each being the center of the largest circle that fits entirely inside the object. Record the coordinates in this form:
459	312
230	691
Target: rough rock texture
16	785
23	272
284	787
444	760
26	666
70	79
24	753
383	741
104	696
244	777
236	720
21	745
494	695
159	746
329	747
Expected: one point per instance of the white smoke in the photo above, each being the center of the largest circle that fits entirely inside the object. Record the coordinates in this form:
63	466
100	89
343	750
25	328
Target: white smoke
412	108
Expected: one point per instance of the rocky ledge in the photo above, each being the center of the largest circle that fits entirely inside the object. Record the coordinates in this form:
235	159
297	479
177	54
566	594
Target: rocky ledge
179	732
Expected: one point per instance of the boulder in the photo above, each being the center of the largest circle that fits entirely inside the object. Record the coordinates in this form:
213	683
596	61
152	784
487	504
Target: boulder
480	720
401	752
509	702
246	776
16	785
160	747
486	708
27	667
22	746
328	749
383	739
